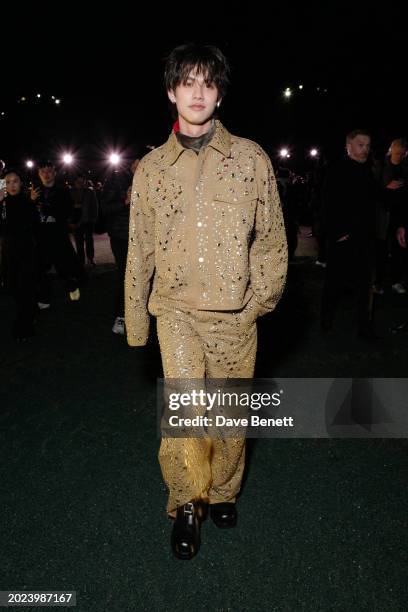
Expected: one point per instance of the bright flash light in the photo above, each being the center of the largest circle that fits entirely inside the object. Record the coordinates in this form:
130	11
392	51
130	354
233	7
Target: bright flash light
114	158
38	95
67	158
288	92
300	86
57	101
314	152
29	163
284	153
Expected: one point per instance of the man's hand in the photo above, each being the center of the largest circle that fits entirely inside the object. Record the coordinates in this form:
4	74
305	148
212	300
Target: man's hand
401	237
34	193
395	184
343	238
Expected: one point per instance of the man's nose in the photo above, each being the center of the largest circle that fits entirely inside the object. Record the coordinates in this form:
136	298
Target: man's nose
198	90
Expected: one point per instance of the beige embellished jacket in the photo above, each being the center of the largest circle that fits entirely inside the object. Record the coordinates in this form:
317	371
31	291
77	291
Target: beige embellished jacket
209	226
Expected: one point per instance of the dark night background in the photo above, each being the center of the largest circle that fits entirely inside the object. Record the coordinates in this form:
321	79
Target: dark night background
106	66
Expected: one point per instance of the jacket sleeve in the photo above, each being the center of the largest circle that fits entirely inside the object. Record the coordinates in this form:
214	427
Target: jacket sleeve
268	256
140	262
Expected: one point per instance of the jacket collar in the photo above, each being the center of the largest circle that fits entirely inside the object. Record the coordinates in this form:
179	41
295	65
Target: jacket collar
221	141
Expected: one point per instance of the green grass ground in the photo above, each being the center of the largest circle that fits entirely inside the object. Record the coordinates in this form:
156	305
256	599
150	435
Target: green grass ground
322	522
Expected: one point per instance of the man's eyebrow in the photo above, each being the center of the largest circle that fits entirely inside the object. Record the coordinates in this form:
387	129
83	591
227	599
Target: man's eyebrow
194	78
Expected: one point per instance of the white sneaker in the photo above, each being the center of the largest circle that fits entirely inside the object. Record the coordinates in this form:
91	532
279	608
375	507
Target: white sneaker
119	326
320	263
74	295
43	305
399	288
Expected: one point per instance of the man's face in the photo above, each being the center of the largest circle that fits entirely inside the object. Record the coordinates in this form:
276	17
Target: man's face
359	147
195	100
398	151
47	176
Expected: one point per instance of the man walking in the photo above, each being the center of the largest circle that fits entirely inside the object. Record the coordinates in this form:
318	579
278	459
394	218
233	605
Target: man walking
206	216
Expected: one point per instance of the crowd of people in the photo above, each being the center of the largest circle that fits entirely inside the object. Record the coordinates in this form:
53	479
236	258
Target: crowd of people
357	210
48	225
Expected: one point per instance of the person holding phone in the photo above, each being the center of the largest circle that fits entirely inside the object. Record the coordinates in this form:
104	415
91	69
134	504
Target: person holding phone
55	207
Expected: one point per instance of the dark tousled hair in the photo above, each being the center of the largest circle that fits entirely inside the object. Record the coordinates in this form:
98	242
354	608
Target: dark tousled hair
46	163
207	59
357	132
13	170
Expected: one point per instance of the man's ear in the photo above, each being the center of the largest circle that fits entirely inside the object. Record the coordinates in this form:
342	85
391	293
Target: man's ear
171	96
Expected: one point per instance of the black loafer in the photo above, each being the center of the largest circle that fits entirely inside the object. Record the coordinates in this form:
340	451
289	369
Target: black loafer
185	536
224	515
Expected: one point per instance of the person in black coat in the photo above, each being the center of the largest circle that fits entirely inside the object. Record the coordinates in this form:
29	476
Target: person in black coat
19	229
349	204
84	219
401	221
54	245
394	180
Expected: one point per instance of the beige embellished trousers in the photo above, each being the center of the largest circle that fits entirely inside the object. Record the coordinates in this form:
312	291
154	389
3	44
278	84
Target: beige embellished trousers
197	345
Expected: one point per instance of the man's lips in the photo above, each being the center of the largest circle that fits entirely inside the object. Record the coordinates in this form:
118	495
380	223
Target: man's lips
197	106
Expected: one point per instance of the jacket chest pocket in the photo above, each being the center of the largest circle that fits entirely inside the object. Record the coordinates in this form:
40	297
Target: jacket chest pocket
233	209
236	195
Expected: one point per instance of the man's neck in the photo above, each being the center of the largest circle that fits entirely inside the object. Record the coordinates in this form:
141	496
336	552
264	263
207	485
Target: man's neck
194	130
395	160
